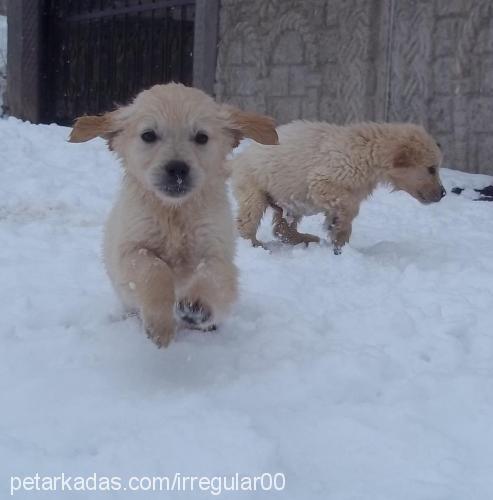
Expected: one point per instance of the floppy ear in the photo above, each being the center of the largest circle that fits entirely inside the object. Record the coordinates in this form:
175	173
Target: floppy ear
402	158
260	128
89	127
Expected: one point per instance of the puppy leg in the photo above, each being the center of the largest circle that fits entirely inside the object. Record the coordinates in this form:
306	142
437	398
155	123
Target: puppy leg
210	294
341	224
252	205
150	281
287	232
341	207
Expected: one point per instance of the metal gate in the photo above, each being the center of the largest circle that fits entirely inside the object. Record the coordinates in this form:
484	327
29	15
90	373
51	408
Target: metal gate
99	53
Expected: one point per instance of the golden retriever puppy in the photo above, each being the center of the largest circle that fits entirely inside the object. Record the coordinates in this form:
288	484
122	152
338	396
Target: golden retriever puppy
319	167
169	239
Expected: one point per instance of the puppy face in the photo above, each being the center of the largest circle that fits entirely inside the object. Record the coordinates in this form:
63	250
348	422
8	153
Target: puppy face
174	139
415	166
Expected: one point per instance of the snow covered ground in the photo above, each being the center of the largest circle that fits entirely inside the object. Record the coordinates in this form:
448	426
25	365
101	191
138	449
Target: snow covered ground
365	376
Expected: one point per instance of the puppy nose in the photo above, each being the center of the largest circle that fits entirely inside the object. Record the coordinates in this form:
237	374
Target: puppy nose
443	192
177	169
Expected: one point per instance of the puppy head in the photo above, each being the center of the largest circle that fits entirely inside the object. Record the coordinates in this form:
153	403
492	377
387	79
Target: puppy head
414	164
174	139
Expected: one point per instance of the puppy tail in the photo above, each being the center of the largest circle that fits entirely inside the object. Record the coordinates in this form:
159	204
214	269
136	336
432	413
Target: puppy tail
241	124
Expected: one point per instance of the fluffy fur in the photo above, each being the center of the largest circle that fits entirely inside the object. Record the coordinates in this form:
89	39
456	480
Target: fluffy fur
169	240
319	167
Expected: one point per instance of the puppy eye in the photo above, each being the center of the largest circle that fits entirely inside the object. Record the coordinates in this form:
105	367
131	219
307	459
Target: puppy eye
149	136
201	138
432	170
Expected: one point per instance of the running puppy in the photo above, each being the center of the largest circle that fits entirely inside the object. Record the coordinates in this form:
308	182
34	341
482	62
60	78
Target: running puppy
319	167
169	240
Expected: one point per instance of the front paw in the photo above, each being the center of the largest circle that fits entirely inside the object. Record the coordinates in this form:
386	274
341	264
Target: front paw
339	239
195	314
258	244
159	329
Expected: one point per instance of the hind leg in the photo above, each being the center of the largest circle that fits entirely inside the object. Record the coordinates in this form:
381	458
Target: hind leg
252	205
287	232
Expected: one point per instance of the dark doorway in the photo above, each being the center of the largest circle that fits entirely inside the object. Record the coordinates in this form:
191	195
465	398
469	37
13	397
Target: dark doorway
98	53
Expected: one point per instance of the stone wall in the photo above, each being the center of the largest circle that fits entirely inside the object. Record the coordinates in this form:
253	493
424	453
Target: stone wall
429	61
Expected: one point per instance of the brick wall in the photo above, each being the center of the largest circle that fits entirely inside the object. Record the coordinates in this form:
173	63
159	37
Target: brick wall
429	61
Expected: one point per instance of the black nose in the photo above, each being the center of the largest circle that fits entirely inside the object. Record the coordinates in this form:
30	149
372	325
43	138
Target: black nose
443	192
177	169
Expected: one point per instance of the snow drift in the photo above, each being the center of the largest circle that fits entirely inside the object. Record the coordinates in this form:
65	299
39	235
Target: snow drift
366	375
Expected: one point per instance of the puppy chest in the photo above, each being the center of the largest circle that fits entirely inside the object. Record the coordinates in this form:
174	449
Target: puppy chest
183	249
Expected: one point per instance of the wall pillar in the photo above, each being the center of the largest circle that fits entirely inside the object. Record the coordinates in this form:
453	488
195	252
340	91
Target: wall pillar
24	59
205	44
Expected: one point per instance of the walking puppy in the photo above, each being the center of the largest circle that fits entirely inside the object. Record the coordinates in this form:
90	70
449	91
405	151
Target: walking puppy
318	167
169	240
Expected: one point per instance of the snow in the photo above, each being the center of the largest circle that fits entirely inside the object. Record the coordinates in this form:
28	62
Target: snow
367	375
3	58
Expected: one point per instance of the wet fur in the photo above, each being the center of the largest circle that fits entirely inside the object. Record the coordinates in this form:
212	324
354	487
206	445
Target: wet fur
322	168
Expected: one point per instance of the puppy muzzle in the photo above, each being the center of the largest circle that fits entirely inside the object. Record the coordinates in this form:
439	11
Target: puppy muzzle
174	179
435	197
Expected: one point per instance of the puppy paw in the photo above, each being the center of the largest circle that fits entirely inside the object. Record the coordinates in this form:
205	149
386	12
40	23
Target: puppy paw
307	238
340	239
195	314
160	331
258	244
159	337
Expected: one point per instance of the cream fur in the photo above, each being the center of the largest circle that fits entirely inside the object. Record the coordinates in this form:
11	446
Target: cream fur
171	258
319	167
